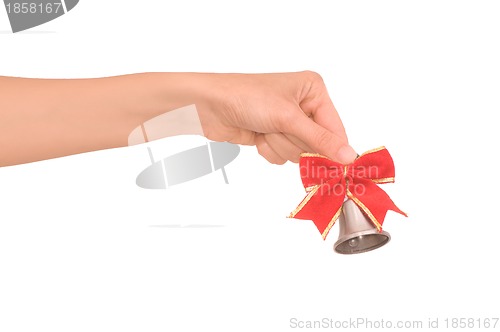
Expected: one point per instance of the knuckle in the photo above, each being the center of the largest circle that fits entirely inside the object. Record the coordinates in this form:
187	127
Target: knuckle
295	158
272	158
262	149
313	76
288	120
312	83
323	140
265	151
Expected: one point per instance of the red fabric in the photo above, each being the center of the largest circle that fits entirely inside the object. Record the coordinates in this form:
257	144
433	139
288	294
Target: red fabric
328	182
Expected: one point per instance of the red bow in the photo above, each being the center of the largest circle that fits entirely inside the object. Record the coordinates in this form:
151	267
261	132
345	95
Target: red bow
328	182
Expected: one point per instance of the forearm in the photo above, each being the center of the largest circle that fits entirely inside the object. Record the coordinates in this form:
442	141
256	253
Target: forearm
283	114
42	119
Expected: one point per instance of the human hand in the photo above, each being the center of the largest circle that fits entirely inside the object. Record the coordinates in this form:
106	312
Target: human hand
282	114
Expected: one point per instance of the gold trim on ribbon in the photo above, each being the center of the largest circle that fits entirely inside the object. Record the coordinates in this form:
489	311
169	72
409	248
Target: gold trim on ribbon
308	189
383	180
373	150
331	223
309	154
304	201
367	211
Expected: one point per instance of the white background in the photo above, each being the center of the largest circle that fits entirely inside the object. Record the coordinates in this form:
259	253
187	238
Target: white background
82	248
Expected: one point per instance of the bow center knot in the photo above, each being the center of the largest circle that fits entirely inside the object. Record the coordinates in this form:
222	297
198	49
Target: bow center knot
348	175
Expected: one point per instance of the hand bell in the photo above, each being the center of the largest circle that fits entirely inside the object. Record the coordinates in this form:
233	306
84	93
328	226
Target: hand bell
357	233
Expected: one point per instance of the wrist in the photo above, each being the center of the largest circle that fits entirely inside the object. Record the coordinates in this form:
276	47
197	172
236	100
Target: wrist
171	103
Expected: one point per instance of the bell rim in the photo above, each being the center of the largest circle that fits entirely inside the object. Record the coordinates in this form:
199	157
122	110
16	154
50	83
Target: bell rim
360	233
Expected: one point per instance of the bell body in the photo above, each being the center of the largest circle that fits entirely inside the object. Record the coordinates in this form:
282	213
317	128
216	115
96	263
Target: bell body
357	233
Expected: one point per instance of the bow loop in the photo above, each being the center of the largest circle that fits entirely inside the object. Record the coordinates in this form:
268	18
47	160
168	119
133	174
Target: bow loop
316	169
376	165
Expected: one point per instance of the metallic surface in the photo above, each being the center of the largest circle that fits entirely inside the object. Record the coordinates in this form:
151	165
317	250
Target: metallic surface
357	233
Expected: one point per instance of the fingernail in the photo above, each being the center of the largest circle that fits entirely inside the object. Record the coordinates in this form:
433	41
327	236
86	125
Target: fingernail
346	155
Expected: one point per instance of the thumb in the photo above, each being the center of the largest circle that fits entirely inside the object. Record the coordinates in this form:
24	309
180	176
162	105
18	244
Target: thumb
323	141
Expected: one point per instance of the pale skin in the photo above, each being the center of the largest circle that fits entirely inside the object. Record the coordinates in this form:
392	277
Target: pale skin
282	114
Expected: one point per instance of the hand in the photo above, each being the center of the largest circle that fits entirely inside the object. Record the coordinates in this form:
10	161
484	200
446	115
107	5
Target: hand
282	114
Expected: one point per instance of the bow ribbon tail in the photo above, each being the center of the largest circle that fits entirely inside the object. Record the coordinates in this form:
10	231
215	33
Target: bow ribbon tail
322	205
372	200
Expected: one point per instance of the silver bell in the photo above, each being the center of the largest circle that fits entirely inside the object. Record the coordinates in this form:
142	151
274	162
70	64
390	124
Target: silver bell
357	233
